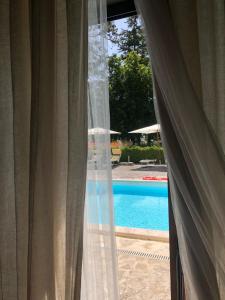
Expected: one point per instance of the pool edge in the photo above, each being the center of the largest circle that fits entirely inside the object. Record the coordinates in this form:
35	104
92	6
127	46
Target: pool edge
142	234
138	180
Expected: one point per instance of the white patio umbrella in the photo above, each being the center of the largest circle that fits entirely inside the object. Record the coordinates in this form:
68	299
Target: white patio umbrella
99	130
147	130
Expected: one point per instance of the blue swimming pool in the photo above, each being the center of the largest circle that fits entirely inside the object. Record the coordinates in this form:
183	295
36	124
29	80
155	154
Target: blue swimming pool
141	204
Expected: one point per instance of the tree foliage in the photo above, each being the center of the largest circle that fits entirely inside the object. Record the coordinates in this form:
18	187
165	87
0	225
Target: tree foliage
130	80
128	40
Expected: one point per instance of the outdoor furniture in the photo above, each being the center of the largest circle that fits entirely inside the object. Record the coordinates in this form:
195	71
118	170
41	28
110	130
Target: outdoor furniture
116	154
147	161
148	130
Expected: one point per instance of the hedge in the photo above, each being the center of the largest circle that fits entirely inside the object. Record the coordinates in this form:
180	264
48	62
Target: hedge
138	153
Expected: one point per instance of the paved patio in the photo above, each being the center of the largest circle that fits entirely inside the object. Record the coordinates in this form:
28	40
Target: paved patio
144	268
137	172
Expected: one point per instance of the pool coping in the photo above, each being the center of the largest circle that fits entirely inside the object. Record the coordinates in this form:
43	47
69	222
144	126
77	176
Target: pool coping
139	180
142	234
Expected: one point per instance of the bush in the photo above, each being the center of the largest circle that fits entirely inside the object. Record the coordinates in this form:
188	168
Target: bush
138	153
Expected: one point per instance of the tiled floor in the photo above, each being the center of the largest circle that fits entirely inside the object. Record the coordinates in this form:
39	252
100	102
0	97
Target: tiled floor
140	277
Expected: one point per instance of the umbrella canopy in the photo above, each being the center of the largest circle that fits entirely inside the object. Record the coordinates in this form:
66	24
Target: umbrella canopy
99	130
147	130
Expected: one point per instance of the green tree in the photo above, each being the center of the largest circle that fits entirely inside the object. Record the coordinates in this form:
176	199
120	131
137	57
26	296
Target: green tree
128	40
130	79
130	93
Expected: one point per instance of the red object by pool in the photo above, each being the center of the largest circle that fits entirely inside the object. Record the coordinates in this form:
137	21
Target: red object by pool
155	178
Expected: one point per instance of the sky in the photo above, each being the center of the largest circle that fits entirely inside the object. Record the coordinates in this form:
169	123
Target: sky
112	49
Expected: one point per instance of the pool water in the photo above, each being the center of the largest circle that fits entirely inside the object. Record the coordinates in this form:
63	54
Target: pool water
141	204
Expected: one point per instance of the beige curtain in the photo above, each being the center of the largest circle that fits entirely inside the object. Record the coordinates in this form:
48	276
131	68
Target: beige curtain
187	48
43	144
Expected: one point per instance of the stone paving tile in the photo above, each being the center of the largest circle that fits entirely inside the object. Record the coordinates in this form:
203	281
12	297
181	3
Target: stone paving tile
153	247
142	278
138	171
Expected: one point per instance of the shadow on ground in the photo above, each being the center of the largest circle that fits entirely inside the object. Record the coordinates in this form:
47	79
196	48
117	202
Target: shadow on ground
151	168
115	166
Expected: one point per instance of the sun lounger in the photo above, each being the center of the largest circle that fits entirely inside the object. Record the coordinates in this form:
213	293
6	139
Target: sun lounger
147	161
116	154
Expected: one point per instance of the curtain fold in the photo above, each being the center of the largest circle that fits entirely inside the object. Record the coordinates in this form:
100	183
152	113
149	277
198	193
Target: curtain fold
43	153
187	49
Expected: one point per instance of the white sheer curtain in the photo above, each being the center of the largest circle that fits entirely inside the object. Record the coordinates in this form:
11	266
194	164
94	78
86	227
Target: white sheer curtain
187	44
99	280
